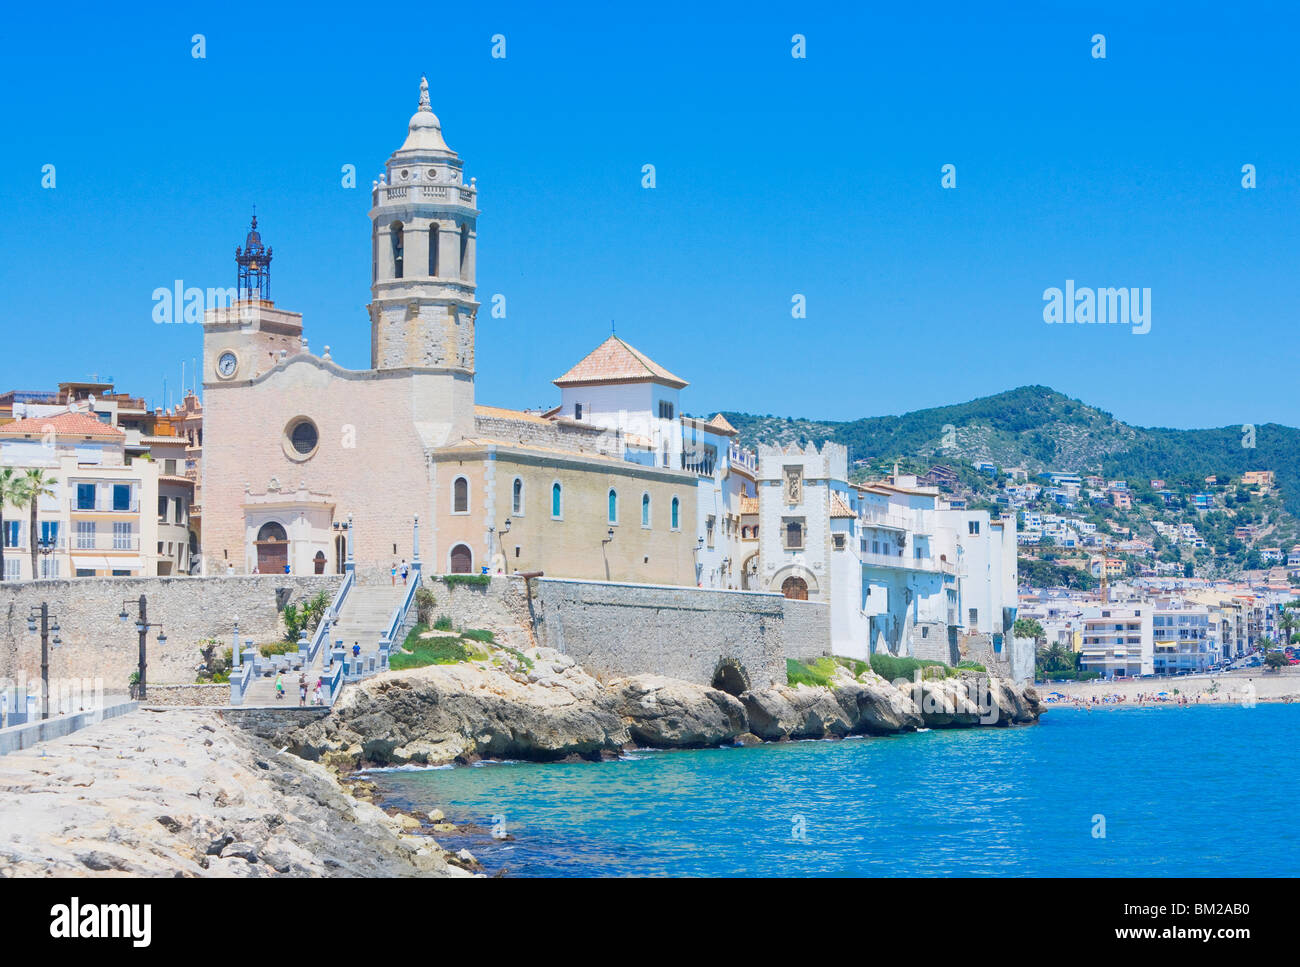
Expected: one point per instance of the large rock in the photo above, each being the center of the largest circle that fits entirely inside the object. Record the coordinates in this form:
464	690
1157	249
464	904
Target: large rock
445	712
668	713
802	712
876	707
947	703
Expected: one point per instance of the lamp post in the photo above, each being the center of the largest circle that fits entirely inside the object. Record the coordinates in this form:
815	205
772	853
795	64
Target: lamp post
142	626
46	548
46	628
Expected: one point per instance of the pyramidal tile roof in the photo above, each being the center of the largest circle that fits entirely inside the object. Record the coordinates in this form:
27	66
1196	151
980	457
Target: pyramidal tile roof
720	422
614	361
64	424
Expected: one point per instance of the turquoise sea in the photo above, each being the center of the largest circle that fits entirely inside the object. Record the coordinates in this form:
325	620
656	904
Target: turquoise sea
1197	791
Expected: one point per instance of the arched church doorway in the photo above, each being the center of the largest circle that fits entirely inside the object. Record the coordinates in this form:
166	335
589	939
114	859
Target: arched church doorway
272	549
795	588
318	562
461	559
340	554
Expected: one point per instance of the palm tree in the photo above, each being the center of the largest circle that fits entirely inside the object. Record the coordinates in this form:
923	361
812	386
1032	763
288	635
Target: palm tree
1288	621
32	486
8	494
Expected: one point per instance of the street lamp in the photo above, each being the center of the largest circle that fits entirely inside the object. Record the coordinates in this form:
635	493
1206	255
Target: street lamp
46	548
46	642
142	626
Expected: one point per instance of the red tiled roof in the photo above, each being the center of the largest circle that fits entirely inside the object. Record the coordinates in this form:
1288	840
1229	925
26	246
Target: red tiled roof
614	361
67	424
839	508
720	422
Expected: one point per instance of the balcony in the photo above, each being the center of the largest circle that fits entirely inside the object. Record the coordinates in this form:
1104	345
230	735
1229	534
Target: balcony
876	517
82	543
106	507
906	563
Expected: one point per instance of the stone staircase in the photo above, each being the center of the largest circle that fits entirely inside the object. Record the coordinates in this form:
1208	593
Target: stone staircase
364	618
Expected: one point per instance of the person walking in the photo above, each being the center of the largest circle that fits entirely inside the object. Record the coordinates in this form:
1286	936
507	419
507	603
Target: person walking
317	698
405	572
302	689
279	687
394	574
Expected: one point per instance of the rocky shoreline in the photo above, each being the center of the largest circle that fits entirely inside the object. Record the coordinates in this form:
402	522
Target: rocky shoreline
549	709
182	793
193	792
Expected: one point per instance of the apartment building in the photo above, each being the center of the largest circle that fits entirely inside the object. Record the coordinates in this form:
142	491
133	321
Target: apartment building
1118	641
1183	640
109	511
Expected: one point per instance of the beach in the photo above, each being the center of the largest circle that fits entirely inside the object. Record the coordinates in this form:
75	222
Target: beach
1225	688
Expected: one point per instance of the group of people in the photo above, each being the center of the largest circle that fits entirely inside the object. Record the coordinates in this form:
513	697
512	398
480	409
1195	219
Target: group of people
318	695
405	571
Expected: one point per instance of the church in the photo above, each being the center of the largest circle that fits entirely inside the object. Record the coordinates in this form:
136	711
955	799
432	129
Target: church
306	462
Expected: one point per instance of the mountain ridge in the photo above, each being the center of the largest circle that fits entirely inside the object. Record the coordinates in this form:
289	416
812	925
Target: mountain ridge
1039	428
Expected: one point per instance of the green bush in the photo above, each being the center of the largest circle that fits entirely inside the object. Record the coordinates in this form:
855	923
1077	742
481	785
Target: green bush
854	665
418	652
306	618
424	605
890	668
473	580
479	634
812	671
966	665
443	623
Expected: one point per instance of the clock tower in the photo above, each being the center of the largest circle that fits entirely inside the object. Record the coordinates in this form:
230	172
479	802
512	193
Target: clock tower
423	233
250	335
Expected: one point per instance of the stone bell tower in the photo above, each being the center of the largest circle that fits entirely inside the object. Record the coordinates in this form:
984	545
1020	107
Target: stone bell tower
423	219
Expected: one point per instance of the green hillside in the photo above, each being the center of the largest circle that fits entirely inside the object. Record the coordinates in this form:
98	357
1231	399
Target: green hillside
1038	428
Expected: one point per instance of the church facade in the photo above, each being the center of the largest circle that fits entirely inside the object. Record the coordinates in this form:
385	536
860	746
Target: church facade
297	446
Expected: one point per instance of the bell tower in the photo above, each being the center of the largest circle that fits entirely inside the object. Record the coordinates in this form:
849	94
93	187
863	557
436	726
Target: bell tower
423	221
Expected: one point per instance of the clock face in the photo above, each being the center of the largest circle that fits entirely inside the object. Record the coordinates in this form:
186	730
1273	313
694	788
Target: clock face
226	364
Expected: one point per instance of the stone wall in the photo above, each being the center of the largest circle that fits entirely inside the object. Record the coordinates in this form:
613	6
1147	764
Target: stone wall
807	628
930	642
537	431
98	645
500	607
687	633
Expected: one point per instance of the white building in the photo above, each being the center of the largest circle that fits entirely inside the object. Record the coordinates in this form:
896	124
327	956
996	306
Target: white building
901	571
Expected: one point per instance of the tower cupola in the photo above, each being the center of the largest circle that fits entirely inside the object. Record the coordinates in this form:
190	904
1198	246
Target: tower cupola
423	236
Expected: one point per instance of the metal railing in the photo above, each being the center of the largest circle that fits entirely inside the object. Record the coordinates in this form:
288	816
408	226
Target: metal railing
322	635
398	620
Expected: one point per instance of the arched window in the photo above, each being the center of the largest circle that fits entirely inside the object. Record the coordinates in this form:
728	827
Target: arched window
517	497
613	506
645	510
557	501
676	514
460	496
395	231
433	249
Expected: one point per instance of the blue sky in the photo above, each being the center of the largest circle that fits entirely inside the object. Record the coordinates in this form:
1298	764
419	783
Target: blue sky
775	176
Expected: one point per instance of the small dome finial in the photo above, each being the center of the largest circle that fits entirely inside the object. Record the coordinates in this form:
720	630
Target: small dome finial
424	95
